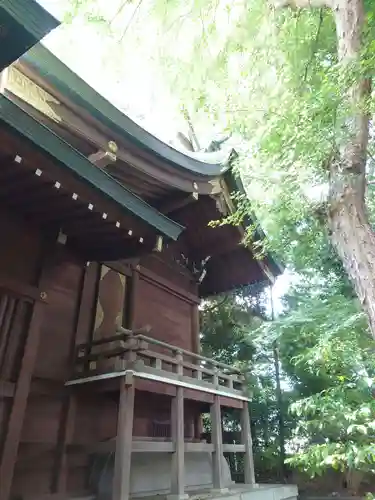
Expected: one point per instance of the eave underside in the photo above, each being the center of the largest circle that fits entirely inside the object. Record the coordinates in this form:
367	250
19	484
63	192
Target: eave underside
231	265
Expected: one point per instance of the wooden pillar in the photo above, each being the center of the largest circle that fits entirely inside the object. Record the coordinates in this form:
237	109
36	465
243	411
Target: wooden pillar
14	429
124	440
217	441
133	297
178	457
249	472
196	345
198	427
195	328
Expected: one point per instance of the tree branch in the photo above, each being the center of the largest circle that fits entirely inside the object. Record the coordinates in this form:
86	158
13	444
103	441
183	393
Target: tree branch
215	306
138	6
118	12
315	44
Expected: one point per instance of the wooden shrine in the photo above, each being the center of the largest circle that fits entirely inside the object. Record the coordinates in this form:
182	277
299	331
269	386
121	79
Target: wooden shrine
106	252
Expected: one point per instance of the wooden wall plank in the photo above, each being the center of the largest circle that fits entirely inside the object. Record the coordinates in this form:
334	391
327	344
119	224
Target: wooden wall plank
7	389
85	314
14	429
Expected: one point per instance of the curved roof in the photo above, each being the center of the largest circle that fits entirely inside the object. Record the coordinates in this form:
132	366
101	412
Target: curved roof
64	80
18	120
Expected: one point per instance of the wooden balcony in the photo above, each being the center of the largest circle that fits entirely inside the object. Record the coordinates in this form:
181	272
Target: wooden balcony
149	358
131	355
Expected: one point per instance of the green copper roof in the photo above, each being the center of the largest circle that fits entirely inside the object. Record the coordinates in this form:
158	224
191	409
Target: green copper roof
26	126
64	80
23	23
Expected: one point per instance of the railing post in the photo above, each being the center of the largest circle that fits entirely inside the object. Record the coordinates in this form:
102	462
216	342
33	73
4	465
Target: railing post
178	457
215	378
249	473
217	441
179	366
124	440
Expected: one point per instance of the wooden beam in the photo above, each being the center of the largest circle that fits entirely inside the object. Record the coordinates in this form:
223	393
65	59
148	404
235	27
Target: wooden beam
27	292
165	377
249	471
153	447
177	203
233	448
217	441
103	158
121	479
178	458
199	447
84	126
14	429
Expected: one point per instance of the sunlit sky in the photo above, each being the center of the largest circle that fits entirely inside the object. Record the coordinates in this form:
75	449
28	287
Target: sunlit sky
126	74
123	67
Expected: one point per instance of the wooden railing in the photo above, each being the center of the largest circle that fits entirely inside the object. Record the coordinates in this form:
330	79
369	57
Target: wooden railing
142	353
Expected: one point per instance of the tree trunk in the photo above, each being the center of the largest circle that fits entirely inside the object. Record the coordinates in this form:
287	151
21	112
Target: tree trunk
351	233
354	240
280	415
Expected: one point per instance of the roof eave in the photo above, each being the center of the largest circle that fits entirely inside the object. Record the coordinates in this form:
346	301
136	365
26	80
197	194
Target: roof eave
24	23
47	141
65	81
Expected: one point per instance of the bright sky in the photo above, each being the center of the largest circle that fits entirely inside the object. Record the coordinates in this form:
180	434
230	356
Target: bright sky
125	71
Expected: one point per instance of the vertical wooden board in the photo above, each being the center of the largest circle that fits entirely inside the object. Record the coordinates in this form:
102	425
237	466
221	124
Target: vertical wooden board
32	472
58	330
152	414
168	315
5	406
84	310
41	421
166	266
96	418
62	280
19	236
14	427
14	347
